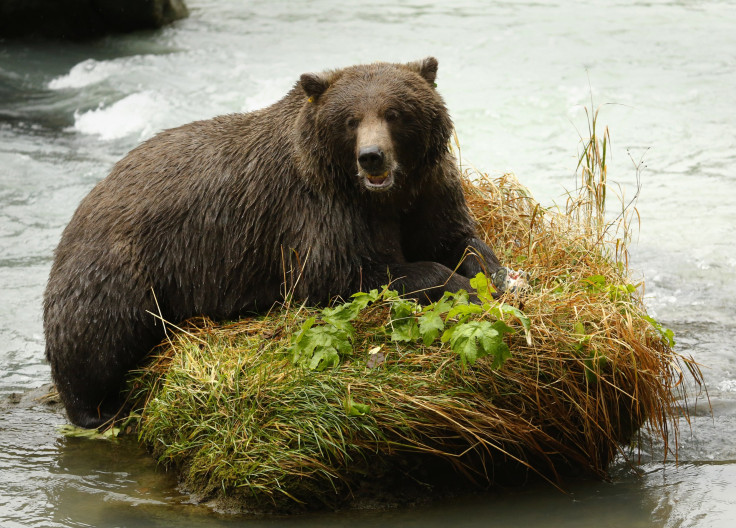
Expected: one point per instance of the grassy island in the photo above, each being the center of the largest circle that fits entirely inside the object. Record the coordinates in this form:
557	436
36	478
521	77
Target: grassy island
304	407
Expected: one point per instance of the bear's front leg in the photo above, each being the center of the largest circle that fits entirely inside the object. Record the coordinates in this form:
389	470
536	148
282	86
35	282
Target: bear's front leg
475	256
426	281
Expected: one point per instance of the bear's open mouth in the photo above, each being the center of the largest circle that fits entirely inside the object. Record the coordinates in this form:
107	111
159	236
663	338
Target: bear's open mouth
378	181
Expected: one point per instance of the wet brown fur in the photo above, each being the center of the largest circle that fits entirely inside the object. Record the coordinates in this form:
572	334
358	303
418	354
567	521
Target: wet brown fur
222	217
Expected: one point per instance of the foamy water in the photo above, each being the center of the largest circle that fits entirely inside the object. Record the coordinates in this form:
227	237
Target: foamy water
133	116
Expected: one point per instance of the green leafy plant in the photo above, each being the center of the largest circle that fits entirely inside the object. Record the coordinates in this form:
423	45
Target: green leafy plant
616	292
404	326
341	315
352	408
472	330
320	347
477	339
668	336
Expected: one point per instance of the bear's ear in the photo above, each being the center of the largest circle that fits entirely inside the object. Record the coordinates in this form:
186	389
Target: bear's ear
427	68
314	85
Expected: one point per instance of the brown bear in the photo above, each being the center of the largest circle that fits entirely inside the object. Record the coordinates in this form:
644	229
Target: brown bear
345	184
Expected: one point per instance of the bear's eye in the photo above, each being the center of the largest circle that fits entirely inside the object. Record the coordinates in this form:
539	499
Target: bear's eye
391	115
352	123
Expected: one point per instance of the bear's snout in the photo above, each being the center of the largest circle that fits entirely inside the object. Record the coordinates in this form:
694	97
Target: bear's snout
375	158
372	159
376	168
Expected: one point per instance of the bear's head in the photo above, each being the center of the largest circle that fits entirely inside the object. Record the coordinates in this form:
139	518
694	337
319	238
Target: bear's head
376	125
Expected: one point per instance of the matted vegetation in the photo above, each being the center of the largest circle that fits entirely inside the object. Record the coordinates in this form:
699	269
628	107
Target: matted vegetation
305	405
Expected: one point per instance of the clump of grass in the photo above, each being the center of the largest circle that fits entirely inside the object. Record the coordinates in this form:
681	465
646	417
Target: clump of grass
303	406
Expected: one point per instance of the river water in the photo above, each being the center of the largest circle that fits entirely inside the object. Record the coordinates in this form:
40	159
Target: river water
515	76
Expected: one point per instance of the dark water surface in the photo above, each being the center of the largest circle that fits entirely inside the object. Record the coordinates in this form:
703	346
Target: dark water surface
515	76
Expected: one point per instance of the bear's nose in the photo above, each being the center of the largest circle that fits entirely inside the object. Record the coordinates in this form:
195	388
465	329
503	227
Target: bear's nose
371	159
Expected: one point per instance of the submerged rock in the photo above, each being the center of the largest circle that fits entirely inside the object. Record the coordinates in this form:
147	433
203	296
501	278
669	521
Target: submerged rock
81	19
